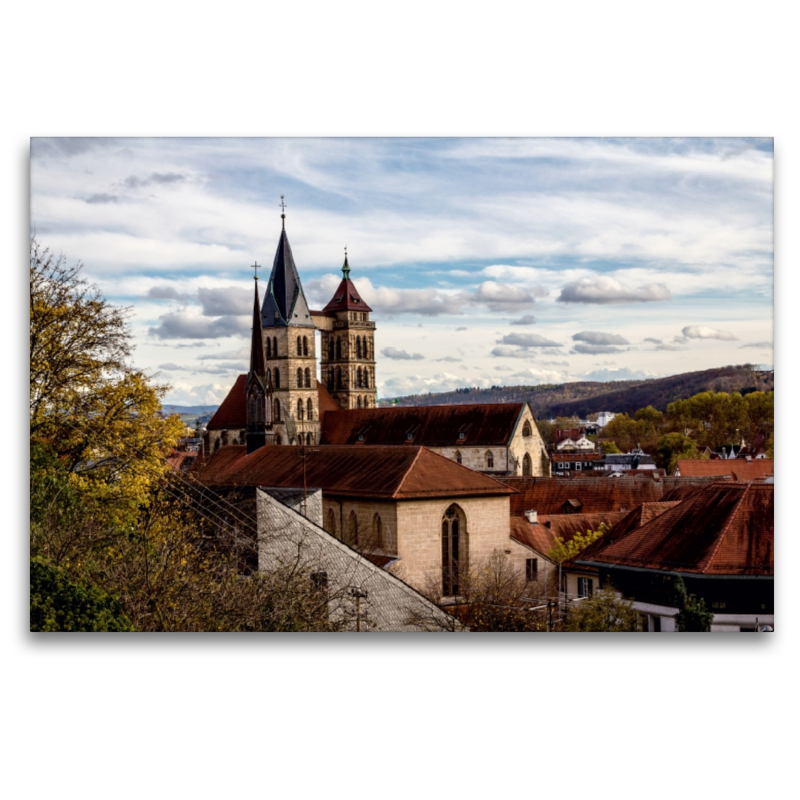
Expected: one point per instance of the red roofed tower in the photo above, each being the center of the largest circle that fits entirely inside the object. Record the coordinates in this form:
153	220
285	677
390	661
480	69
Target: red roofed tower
348	350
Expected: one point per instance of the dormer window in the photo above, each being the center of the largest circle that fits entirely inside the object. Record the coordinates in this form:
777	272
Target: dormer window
409	436
462	435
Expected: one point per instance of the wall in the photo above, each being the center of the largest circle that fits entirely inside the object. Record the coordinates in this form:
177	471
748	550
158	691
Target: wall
532	445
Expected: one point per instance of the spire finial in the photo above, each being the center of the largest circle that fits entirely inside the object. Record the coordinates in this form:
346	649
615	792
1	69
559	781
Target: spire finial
346	267
256	268
283	214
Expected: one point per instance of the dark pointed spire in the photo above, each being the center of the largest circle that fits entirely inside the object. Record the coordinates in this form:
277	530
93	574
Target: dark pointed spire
283	214
346	267
258	364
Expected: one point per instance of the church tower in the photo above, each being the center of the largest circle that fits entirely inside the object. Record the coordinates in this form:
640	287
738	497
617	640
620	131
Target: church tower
258	389
289	347
348	349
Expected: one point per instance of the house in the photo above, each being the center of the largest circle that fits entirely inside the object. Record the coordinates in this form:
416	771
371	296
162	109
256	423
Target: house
604	417
432	516
637	459
360	595
719	540
572	440
566	464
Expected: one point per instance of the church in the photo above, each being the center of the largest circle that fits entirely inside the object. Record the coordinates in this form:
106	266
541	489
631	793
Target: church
280	401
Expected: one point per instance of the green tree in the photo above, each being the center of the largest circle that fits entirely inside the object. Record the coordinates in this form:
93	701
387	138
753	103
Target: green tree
562	551
692	613
604	612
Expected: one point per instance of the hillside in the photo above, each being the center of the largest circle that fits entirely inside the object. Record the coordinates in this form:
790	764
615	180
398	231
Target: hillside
587	397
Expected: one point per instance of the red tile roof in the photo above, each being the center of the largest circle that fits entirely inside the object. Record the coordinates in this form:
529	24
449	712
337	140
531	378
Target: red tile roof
382	472
484	425
346	298
593	495
722	529
233	411
542	537
739	468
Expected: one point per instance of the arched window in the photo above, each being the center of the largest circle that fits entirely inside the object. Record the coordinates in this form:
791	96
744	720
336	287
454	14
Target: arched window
377	531
330	522
526	429
364	348
331	374
277	410
218	444
366	378
308	378
454	550
338	377
309	439
269	347
299	378
527	468
299	346
305	345
274	346
338	347
358	347
358	402
458	456
330	349
269	374
309	410
489	460
352	529
300	409
278	439
277	378
358	378
235	440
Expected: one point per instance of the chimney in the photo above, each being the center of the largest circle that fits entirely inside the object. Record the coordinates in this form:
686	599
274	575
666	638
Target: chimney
532	517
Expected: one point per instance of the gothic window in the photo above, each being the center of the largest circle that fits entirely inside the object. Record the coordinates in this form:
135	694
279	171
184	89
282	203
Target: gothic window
527	468
338	377
217	444
309	439
299	346
352	529
364	348
300	409
309	410
235	440
269	374
358	404
366	379
330	522
526	429
277	410
269	347
454	549
358	377
330	378
274	346
308	378
299	378
277	378
458	456
358	347
490	460
377	531
330	349
338	347
278	439
305	345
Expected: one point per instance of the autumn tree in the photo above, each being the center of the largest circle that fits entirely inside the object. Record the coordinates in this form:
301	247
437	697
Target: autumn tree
604	612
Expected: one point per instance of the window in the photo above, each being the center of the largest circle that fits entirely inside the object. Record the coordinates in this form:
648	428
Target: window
278	439
338	347
305	345
358	402
454	550
308	378
330	349
277	410
269	347
577	465
300	410
358	378
277	380
585	586
490	460
352	529
299	378
377	531
330	378
358	347
299	346
458	456
531	569
309	410
527	467
338	377
309	438
526	429
274	346
330	522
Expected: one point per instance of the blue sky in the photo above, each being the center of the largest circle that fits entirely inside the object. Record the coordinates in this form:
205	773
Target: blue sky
487	261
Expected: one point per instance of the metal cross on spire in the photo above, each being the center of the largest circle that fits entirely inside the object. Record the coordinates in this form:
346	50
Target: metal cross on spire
283	214
256	267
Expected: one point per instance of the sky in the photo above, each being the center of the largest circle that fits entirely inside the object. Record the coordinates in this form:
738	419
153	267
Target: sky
486	261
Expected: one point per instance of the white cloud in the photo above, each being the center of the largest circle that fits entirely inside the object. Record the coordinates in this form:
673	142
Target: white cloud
400	355
528	340
595	349
604	290
599	337
705	332
527	319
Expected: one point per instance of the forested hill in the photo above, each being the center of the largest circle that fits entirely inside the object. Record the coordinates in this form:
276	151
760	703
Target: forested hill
588	397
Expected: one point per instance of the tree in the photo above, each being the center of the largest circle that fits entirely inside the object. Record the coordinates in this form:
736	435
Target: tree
672	446
562	551
605	612
692	614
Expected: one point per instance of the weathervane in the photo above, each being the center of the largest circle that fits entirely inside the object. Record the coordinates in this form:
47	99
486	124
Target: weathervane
283	214
255	267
